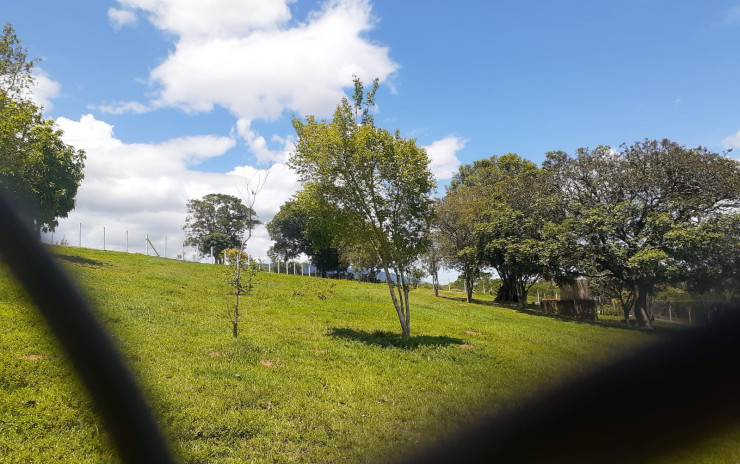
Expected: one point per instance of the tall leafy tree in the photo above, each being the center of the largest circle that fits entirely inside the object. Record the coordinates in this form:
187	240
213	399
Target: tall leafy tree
218	222
380	182
36	166
643	215
458	215
493	191
524	234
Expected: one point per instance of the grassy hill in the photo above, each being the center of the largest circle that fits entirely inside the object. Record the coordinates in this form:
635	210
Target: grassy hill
318	374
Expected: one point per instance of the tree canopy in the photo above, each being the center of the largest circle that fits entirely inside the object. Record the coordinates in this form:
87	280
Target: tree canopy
379	182
217	222
36	167
644	214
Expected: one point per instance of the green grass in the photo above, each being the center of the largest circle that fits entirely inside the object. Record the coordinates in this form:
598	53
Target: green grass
318	373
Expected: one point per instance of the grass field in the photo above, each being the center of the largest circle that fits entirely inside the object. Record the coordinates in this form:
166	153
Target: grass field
318	373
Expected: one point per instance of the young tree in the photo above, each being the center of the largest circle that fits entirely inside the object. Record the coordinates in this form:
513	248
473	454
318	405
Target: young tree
238	266
431	261
36	166
641	215
379	181
217	222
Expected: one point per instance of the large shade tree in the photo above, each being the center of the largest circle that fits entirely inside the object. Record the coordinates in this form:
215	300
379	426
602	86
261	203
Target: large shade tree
490	197
303	226
379	182
217	222
525	234
648	214
36	167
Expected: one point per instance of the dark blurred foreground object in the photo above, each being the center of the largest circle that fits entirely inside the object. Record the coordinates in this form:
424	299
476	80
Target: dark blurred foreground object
122	406
667	396
658	400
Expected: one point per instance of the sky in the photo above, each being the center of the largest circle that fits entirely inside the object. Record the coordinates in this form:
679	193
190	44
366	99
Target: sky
175	99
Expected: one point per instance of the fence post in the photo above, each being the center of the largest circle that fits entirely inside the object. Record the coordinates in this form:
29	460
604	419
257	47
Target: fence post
689	315
670	316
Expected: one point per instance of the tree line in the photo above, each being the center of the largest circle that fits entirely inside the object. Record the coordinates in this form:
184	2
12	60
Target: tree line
632	219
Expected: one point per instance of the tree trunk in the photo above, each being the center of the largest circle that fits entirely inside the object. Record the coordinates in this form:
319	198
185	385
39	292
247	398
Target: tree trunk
643	288
469	289
522	294
237	291
508	291
435	283
399	307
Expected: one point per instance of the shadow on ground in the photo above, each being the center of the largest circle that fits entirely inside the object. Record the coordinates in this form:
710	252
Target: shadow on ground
79	260
394	340
533	310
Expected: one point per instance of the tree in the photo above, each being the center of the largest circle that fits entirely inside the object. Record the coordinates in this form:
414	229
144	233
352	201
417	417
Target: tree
380	182
643	215
481	195
217	222
36	166
431	261
302	226
524	234
457	217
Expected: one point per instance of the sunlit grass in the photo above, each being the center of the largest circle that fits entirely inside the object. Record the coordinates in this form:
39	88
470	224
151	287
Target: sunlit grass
319	372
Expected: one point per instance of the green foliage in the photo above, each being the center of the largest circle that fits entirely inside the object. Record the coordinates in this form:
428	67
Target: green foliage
378	182
217	222
36	166
644	216
306	225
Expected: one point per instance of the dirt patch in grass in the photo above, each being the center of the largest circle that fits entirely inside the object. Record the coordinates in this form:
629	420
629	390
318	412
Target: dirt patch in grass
33	357
471	332
266	362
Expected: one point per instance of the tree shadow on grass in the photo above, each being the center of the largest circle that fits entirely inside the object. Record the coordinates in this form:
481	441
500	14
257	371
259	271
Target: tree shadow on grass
386	339
79	260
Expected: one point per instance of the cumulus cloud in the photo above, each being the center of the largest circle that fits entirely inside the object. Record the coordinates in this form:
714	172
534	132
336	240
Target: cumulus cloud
443	156
143	188
44	89
732	141
258	145
120	17
252	58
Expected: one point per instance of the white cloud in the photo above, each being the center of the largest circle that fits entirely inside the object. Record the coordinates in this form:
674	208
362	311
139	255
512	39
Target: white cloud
123	108
732	141
44	90
143	188
246	56
258	145
443	156
119	18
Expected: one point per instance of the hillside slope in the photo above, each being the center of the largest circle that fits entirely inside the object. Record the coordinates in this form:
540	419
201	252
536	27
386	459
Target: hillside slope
318	374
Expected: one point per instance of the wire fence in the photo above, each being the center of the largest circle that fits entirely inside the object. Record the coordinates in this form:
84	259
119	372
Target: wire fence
136	240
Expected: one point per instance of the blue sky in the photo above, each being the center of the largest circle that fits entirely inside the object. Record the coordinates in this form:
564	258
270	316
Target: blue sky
173	99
